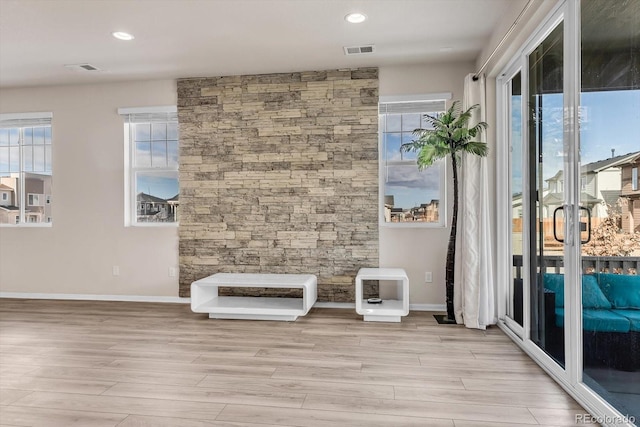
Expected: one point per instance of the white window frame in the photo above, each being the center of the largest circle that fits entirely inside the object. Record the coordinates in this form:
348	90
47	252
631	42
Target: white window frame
5	196
442	203
21	121
634	179
130	202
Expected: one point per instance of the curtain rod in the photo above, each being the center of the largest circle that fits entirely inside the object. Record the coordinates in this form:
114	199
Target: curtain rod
504	39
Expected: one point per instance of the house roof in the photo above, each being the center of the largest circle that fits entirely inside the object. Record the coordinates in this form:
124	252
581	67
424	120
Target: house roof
174	198
558	199
601	165
611	162
148	198
6	187
9	207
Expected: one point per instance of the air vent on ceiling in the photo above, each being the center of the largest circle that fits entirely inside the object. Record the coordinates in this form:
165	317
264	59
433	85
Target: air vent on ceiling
82	67
359	50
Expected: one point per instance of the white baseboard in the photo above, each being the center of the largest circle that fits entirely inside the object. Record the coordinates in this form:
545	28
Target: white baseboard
427	307
412	307
330	304
179	300
92	297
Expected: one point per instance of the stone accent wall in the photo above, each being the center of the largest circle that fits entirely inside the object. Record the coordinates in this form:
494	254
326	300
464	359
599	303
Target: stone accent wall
279	174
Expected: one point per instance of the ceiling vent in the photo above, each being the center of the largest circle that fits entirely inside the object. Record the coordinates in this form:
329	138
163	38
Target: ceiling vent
82	67
359	50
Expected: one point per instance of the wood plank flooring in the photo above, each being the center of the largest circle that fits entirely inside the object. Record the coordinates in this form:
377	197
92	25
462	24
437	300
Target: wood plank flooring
85	364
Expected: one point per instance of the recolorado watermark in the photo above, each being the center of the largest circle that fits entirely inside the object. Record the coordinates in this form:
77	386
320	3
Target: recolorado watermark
604	419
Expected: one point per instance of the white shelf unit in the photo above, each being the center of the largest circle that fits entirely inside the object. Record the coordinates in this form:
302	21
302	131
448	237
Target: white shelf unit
205	298
390	310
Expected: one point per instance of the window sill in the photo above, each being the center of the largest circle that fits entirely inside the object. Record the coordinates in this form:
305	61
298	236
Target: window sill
153	225
27	225
400	225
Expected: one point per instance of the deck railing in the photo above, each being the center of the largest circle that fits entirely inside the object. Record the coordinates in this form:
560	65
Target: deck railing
590	264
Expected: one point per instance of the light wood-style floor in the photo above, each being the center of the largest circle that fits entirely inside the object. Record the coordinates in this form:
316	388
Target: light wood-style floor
81	364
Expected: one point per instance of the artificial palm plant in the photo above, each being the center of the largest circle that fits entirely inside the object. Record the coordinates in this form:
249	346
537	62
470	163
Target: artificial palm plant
448	134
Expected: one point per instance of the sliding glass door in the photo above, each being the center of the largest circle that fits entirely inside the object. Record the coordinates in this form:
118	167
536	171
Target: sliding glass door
610	200
544	216
570	209
514	293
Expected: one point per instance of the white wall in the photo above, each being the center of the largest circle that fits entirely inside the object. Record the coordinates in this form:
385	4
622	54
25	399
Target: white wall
419	250
88	236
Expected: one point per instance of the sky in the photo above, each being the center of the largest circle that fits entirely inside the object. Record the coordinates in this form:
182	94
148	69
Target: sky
610	120
607	121
163	185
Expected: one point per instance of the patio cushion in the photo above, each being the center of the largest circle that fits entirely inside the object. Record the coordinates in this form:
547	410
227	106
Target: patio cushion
622	290
598	320
555	283
633	316
592	296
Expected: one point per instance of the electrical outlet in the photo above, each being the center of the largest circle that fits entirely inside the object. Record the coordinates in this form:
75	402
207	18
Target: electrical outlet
116	270
428	277
173	272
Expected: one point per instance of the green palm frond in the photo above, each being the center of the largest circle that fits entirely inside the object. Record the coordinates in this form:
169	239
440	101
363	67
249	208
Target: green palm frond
432	121
429	154
410	146
476	148
478	129
448	134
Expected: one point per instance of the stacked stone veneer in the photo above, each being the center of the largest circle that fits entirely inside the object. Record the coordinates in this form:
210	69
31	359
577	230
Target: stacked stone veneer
279	174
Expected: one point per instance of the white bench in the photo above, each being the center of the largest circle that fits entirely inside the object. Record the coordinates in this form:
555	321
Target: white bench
205	298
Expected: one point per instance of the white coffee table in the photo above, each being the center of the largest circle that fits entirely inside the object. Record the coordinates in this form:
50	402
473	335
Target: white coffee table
205	298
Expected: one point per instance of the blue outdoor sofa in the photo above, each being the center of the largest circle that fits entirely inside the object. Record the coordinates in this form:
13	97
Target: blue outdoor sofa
610	319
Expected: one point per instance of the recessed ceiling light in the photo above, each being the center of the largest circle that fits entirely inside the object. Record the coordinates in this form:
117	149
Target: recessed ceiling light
121	35
355	18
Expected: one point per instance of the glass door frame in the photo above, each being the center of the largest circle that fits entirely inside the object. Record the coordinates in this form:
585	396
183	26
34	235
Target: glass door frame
570	377
520	63
505	216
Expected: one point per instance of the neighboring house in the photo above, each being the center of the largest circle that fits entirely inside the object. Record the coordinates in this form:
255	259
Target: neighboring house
600	185
151	208
426	212
630	194
173	207
7	195
432	211
9	211
389	201
37	199
9	214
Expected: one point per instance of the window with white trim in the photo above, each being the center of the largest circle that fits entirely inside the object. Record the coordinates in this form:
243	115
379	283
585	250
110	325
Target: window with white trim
151	147
409	195
634	179
25	168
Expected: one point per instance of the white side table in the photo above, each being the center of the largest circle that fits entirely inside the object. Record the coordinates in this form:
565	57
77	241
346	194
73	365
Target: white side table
390	310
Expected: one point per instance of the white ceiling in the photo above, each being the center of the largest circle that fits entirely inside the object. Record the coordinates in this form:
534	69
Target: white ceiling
195	38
